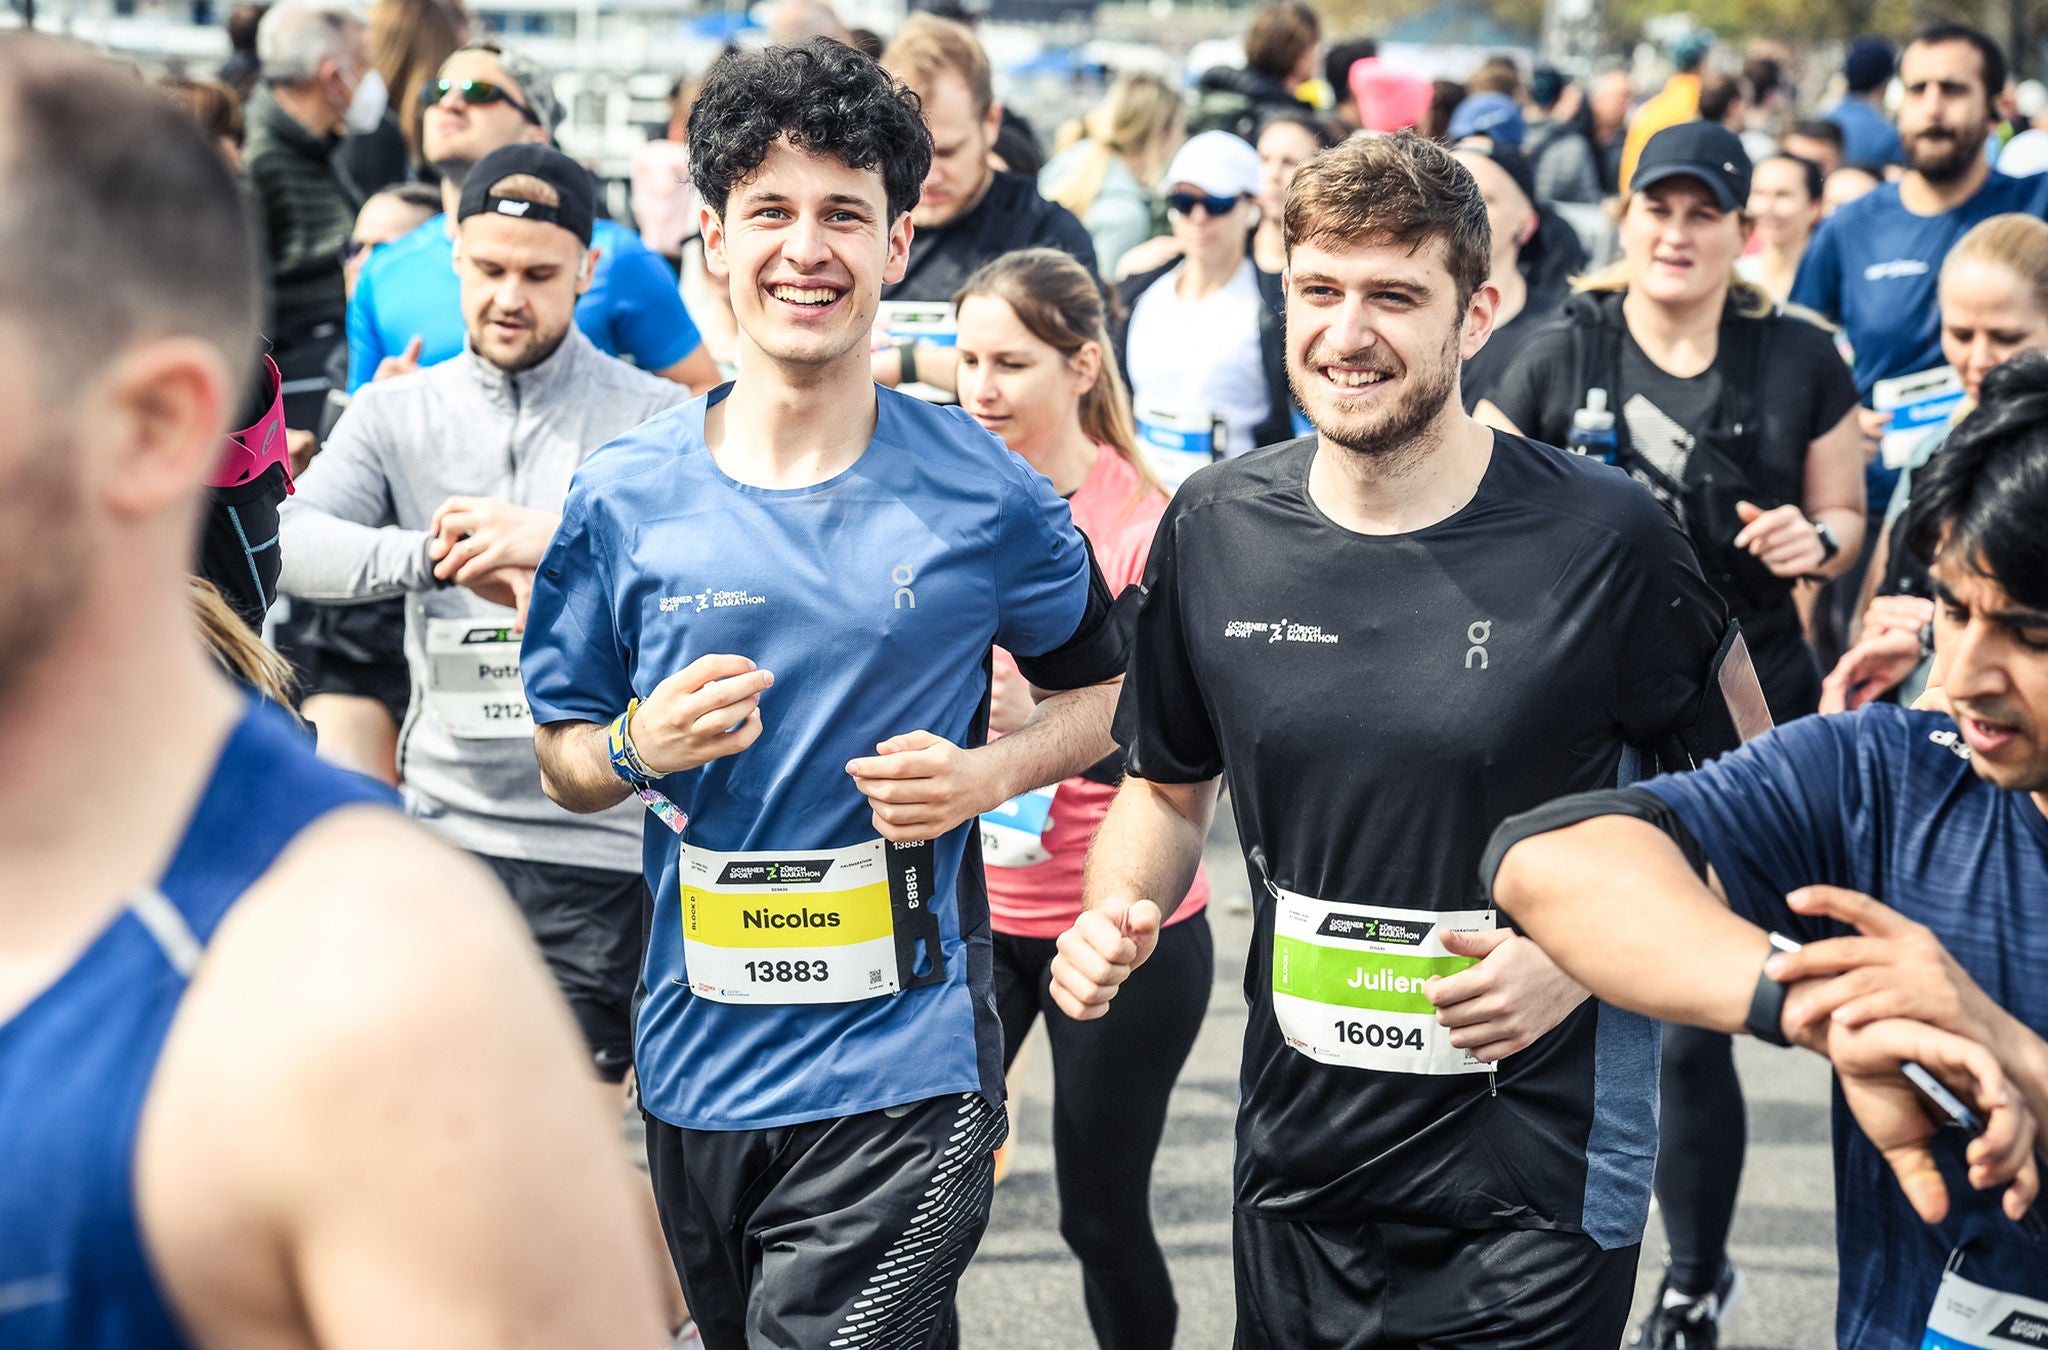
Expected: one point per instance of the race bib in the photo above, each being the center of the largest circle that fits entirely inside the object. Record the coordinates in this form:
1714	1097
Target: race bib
1347	983
1176	444
1969	1316
1013	834
809	926
931	322
1916	402
473	685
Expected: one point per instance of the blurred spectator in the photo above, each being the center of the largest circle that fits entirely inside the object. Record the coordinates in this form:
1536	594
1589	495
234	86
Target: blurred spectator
1286	140
1016	149
1496	75
215	108
1560	156
1492	114
1770	102
318	82
791	22
867	42
1281	53
1337	65
1817	141
409	39
241	71
1444	98
1201	347
1846	185
1784	208
664	204
1721	101
1106	175
1678	101
969	212
1609	103
1868	138
1507	183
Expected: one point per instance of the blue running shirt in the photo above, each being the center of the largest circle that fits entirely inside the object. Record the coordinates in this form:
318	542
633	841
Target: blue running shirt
1884	801
874	597
409	288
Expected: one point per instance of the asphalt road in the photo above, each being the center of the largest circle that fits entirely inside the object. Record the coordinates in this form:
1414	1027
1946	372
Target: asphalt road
1023	1291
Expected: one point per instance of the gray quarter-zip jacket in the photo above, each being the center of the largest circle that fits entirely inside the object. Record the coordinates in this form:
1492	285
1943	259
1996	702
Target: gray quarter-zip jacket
356	529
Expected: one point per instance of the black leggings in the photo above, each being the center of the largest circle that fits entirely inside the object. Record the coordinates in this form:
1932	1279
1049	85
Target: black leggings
1699	1161
1111	1078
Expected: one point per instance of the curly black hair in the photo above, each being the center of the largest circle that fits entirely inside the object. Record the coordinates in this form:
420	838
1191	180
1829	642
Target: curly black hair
827	98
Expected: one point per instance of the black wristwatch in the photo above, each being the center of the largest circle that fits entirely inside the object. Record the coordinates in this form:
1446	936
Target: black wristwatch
906	361
1829	545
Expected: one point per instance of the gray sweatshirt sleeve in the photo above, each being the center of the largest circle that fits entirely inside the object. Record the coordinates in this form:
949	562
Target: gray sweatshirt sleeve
335	533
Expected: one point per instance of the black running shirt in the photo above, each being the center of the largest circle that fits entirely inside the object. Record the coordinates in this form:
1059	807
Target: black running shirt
1376	706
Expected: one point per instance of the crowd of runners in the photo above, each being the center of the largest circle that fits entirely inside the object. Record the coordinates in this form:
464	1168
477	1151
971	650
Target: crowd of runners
1597	553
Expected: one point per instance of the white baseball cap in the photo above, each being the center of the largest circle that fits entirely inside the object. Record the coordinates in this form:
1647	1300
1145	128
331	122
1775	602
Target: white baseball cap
1220	164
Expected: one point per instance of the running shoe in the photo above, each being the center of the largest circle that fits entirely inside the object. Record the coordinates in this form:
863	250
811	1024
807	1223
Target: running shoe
1680	1323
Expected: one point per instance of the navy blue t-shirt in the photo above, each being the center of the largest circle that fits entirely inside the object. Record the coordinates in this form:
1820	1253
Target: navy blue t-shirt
1884	801
874	597
1872	268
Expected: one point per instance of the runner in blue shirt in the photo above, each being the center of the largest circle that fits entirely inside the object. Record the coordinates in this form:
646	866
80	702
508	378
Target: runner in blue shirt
1872	265
1913	827
769	614
407	310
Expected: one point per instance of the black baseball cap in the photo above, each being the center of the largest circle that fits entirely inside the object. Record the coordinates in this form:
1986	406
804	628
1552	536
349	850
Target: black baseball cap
571	181
1707	151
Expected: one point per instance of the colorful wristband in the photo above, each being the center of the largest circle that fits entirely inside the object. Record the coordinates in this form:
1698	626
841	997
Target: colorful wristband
628	765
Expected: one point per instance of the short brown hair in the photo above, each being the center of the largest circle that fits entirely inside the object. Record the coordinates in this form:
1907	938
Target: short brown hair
926	46
1280	33
215	106
1398	189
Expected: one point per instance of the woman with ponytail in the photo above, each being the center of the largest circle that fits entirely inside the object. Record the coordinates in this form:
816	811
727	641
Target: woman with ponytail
1105	175
1036	368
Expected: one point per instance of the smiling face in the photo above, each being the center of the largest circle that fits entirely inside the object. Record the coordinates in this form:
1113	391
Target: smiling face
807	245
1015	383
1779	204
1996	652
1988	316
520	280
1681	246
961	141
1946	114
1375	335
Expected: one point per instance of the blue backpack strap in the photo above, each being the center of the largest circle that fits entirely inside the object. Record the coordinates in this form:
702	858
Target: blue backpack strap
266	788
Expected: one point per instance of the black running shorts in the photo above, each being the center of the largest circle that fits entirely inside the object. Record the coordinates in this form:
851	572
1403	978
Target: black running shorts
588	924
1399	1286
847	1232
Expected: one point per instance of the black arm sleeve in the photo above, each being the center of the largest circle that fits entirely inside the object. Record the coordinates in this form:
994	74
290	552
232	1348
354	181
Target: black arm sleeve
1098	648
1638	803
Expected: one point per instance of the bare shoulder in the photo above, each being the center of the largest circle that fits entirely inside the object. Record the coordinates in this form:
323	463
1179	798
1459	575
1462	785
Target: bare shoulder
328	1153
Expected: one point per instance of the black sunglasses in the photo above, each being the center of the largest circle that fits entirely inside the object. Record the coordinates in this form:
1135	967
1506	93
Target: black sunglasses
351	246
1184	203
475	93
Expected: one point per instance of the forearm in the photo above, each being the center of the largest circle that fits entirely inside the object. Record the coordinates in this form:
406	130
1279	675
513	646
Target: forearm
1613	901
2024	1057
938	367
337	561
1848	525
1065	734
576	766
1150	843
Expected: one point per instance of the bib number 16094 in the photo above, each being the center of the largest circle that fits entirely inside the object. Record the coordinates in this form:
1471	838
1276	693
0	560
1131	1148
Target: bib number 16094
1373	1034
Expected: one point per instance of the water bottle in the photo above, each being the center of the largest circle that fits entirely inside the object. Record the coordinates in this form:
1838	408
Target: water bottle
1593	429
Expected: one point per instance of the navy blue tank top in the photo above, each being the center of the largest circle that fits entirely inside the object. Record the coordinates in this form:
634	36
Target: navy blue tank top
76	1063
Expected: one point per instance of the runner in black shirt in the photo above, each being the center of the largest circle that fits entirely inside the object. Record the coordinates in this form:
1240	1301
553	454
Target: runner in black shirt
969	213
1388	638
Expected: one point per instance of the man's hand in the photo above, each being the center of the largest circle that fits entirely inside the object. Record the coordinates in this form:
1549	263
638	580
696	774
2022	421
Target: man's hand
1898	1120
1782	538
473	535
511	587
1873	424
1901	613
406	363
1010	704
1513	996
709	709
1880	662
1897	968
921	785
299	449
1099	953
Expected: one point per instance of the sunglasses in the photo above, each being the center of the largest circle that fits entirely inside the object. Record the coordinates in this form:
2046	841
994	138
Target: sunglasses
351	247
475	94
1184	204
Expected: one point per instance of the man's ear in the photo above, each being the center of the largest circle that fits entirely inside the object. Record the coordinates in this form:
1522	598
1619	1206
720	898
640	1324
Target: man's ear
587	273
712	228
160	416
1479	317
993	123
899	250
